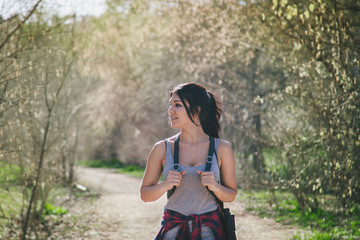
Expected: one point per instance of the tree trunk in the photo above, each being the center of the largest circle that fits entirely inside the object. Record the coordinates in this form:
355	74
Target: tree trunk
255	148
25	224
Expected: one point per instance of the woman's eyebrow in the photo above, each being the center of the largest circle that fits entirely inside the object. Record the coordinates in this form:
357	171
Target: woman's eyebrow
176	101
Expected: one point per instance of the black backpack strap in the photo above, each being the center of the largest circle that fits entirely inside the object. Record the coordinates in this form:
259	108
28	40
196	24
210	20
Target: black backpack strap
209	158
209	161
176	166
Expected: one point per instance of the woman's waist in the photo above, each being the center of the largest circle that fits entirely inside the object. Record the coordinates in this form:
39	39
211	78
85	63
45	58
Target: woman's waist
188	206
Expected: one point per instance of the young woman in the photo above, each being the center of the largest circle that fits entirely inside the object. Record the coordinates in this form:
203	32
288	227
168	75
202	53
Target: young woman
191	211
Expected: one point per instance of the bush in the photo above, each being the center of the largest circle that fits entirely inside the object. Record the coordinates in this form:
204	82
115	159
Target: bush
100	163
326	224
50	209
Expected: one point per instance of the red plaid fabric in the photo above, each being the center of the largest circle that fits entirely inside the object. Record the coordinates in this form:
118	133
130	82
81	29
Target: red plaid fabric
173	219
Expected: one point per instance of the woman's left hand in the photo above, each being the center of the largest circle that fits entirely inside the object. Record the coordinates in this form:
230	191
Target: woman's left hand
208	179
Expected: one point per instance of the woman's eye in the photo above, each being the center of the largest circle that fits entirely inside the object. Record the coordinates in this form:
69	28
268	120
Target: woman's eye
178	105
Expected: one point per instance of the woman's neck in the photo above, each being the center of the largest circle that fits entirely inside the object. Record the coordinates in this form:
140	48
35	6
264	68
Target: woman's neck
193	135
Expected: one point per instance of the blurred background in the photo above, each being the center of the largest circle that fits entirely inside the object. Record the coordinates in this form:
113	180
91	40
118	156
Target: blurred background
90	80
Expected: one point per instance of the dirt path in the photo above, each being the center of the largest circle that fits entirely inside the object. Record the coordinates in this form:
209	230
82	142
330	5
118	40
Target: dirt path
120	214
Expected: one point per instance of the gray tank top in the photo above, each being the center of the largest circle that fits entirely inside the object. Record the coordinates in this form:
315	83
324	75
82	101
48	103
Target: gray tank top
191	197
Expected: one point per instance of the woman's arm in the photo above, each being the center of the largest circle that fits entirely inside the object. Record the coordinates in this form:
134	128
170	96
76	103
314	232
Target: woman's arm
151	190
227	190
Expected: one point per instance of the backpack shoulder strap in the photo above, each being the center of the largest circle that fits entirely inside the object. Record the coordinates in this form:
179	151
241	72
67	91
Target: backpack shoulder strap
209	161
209	158
176	166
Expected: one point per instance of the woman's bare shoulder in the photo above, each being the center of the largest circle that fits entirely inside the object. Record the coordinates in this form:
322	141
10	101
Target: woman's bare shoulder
159	146
224	144
225	153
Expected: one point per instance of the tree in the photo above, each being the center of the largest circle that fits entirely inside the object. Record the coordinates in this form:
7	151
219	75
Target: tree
322	56
42	95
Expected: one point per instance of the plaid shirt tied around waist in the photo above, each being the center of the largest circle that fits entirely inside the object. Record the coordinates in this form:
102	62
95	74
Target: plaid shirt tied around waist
173	219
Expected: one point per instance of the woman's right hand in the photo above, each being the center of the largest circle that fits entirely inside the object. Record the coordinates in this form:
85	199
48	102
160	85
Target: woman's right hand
174	178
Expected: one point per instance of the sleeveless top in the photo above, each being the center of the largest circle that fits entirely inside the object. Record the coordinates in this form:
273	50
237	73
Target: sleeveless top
191	197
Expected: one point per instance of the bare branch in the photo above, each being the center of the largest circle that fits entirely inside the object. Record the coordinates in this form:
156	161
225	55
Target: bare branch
7	37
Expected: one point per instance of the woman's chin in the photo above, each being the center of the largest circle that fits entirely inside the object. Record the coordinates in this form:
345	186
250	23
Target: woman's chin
173	125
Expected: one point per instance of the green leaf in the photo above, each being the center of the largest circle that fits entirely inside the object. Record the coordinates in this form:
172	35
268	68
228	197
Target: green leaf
311	7
307	14
275	4
283	3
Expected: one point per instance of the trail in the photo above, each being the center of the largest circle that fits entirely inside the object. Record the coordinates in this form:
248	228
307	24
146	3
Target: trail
120	214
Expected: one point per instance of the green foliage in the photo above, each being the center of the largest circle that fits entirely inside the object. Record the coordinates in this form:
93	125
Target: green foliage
325	224
10	203
9	174
50	209
132	170
40	99
10	194
98	163
316	40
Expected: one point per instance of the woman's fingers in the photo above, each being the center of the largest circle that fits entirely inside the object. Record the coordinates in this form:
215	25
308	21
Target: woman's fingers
174	178
207	178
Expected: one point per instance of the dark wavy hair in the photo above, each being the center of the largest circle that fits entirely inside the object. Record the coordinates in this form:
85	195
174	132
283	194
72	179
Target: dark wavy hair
207	102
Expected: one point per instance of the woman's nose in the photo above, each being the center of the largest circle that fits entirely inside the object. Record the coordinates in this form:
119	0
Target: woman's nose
170	109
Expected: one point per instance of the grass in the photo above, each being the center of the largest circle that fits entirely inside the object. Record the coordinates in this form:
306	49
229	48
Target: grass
131	170
10	194
9	174
10	203
11	200
98	163
334	224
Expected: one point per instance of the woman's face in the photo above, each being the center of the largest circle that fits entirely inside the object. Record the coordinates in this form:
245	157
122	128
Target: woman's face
177	113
